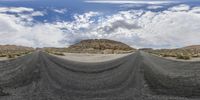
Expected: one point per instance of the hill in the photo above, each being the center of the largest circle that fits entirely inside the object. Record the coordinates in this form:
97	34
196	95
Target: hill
11	51
187	52
14	48
197	47
100	46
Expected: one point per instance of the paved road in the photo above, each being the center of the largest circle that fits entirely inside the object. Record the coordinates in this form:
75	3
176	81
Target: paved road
138	76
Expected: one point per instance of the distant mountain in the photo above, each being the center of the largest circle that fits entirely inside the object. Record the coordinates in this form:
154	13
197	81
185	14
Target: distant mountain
186	53
192	47
11	51
14	48
100	46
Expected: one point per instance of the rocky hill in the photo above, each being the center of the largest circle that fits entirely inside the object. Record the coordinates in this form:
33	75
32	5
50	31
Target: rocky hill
11	51
192	47
14	48
187	52
100	46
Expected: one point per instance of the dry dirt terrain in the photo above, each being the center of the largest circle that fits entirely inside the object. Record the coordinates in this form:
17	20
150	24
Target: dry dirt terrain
94	46
3	58
91	58
137	76
190	60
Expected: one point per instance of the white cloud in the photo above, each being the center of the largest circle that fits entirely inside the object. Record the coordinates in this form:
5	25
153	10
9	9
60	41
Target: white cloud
196	9
61	11
130	5
182	7
138	28
131	1
37	13
16	30
141	28
83	21
154	7
15	9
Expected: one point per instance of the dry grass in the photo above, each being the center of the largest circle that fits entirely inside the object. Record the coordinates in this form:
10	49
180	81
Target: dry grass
58	53
176	53
55	52
11	56
185	57
14	54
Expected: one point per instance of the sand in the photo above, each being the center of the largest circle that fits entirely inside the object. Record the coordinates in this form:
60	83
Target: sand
3	58
84	57
175	59
191	60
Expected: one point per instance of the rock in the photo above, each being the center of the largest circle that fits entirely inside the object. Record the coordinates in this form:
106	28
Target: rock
99	46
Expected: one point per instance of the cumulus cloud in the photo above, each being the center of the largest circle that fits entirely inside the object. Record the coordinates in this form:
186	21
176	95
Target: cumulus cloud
182	7
19	29
119	24
138	28
154	7
15	9
196	9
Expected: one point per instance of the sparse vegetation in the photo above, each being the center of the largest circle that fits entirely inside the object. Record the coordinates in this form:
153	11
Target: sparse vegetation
94	46
3	55
182	53
11	56
58	53
100	46
185	57
12	51
55	51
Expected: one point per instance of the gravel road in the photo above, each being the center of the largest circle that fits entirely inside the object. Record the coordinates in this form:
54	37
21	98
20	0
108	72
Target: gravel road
137	76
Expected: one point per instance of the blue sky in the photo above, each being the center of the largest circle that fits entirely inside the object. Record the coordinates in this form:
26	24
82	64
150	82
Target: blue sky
139	23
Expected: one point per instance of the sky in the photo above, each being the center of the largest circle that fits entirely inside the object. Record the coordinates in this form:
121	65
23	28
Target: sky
138	23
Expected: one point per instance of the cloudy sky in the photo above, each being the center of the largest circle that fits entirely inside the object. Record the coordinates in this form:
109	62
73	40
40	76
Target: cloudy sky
139	23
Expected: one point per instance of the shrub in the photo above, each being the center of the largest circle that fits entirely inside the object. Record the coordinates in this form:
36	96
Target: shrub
3	55
185	57
17	54
166	55
59	53
11	56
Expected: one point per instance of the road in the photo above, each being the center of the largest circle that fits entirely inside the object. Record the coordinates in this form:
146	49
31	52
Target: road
139	76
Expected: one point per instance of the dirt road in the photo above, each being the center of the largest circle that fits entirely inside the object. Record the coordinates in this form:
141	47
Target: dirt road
138	76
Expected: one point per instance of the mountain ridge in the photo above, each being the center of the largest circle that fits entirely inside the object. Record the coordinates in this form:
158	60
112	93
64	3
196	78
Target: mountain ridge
100	46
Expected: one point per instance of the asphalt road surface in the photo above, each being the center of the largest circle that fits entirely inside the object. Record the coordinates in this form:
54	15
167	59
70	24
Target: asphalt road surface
138	76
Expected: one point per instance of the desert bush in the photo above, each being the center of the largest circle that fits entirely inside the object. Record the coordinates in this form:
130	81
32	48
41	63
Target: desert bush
173	55
18	54
11	56
166	55
3	55
185	57
58	53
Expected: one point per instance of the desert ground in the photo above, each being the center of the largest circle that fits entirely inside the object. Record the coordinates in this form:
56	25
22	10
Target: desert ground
3	58
190	60
86	57
7	58
196	59
136	76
